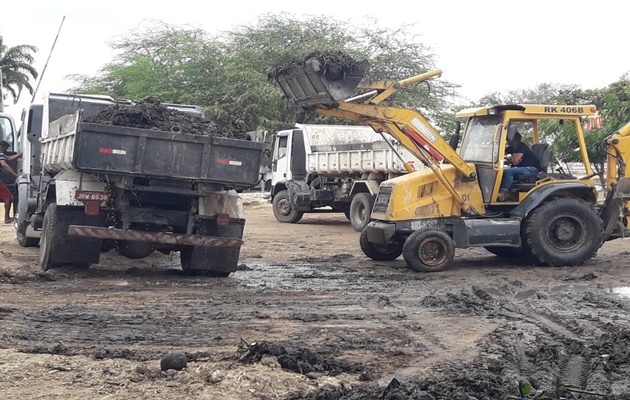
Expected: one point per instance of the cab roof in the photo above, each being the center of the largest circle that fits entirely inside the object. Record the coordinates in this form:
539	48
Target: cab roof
541	109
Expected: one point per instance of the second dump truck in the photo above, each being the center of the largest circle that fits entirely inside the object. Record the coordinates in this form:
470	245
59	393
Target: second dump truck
332	168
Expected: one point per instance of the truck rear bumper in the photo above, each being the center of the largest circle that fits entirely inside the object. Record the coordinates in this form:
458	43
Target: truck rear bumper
152	237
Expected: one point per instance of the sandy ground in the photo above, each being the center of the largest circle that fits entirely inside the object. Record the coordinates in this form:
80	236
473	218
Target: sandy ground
308	316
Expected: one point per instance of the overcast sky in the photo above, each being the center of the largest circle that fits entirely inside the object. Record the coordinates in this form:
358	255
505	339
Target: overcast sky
483	45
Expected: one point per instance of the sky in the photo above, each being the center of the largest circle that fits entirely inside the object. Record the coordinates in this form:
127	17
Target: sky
482	45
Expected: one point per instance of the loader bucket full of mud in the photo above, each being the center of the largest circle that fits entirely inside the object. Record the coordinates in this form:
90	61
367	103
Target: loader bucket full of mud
319	78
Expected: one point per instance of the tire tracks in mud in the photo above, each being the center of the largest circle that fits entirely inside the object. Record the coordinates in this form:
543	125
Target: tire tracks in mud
571	368
552	340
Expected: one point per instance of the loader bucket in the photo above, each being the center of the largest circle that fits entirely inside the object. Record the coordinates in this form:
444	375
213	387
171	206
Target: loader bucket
319	80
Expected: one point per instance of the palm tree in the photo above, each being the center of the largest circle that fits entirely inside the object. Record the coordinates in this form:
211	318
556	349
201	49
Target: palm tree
17	69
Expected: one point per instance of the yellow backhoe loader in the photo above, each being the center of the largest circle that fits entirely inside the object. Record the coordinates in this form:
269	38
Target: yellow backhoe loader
552	218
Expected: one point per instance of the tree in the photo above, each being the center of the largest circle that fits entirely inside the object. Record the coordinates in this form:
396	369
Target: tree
227	73
16	64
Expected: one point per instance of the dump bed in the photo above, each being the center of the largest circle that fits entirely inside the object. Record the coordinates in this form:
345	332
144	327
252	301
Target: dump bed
107	149
375	157
350	150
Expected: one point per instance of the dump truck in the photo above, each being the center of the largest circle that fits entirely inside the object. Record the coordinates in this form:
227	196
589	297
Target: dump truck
332	168
552	218
86	187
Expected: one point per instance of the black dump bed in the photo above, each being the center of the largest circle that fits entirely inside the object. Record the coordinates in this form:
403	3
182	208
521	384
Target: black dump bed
108	149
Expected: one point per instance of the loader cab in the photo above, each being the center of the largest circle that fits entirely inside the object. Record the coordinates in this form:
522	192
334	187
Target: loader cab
488	131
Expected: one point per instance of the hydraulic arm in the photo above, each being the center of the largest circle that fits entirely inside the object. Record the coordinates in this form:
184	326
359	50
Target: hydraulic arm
409	127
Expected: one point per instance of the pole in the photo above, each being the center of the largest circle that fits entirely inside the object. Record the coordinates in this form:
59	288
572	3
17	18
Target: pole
48	59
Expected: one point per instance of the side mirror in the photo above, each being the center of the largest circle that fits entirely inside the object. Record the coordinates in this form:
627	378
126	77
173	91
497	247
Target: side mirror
453	141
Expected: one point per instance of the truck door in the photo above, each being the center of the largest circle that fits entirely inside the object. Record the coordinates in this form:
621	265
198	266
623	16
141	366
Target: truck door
280	171
7	132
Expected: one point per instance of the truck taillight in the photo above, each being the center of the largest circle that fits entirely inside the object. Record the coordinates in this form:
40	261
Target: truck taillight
92	207
223	219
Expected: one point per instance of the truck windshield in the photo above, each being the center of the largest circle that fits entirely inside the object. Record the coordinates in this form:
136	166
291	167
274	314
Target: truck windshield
477	143
6	130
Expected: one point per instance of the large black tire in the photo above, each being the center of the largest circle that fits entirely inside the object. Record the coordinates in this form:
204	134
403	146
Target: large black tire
282	209
428	251
360	210
564	232
135	250
22	239
186	258
51	239
379	252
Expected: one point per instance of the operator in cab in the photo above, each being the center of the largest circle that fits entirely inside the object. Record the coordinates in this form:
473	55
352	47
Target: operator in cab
522	161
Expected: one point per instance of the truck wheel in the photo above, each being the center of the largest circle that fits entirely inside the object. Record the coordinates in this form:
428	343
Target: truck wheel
379	252
186	258
51	238
135	250
564	232
428	251
22	239
282	209
360	210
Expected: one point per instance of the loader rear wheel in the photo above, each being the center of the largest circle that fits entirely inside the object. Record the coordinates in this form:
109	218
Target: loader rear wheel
360	210
379	252
564	232
428	251
283	210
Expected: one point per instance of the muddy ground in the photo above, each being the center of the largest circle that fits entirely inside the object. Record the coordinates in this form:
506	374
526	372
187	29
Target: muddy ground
307	316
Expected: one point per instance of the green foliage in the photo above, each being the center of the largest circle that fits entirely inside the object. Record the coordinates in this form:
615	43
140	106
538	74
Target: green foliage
227	73
16	64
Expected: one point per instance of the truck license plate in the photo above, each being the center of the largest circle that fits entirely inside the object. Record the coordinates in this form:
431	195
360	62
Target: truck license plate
86	195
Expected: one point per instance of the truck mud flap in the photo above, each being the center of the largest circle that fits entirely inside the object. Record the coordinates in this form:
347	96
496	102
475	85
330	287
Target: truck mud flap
153	237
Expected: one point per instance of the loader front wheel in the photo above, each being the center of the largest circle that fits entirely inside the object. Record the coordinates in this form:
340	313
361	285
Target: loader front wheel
360	210
283	210
564	232
428	251
379	252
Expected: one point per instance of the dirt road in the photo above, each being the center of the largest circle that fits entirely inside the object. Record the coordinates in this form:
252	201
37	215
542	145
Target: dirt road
315	319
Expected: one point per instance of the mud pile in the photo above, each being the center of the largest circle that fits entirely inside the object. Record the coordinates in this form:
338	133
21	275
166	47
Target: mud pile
299	360
150	113
334	64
